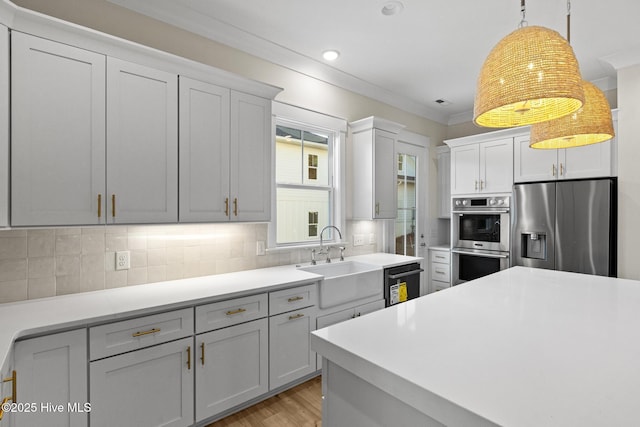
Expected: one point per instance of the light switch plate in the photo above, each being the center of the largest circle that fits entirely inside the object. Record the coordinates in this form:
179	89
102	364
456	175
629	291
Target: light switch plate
358	240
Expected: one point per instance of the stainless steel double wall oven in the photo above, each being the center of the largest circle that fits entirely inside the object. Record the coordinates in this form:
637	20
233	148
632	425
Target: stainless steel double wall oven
480	228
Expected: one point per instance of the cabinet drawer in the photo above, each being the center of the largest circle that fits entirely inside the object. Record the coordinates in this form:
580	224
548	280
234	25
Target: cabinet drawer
292	299
440	272
443	257
438	286
119	337
231	312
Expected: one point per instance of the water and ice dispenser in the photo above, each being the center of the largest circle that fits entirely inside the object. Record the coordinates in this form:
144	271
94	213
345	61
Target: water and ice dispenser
533	245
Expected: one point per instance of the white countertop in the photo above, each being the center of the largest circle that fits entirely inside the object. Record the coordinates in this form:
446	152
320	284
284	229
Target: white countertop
44	315
522	347
444	247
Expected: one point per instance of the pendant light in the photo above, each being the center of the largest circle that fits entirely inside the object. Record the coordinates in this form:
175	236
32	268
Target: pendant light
530	76
591	124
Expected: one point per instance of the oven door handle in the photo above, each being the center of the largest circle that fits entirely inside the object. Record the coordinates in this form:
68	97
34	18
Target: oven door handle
480	254
499	211
408	273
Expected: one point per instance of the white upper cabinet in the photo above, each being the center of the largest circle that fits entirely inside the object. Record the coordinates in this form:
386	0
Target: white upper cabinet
483	167
225	154
374	168
589	161
142	135
204	151
58	133
250	162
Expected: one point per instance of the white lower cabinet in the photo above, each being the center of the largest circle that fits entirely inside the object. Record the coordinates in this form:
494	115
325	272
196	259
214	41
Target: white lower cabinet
290	354
440	269
231	367
144	388
52	375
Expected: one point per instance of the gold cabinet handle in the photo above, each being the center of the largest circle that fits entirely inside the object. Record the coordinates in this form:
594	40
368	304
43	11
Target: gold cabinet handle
113	205
378	208
475	185
235	206
561	170
189	358
481	185
553	170
202	351
5	400
14	390
226	206
294	299
99	205
232	312
296	316
141	333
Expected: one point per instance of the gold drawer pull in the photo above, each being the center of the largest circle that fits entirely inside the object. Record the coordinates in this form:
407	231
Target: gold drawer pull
235	206
232	312
202	357
99	205
294	299
14	391
226	206
113	205
189	358
296	316
141	333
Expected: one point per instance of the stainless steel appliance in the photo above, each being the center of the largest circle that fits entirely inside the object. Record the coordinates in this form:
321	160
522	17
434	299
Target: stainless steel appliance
401	283
480	232
566	225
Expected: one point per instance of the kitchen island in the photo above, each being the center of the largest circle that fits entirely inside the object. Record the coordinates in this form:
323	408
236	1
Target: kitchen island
522	347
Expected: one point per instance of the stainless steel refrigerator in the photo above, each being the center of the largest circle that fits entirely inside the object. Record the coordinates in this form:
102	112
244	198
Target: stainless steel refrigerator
566	225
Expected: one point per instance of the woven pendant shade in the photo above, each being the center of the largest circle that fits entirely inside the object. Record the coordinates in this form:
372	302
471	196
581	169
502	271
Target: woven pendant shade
589	125
530	76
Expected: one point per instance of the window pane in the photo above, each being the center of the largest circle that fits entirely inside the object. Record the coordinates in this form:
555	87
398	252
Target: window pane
295	210
406	219
288	155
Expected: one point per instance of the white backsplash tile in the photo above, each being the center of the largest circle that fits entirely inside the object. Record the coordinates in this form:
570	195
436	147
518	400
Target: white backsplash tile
36	263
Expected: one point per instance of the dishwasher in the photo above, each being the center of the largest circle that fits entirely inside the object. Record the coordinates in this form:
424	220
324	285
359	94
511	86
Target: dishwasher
401	283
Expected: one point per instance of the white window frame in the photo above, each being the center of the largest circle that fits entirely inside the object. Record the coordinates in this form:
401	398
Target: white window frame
306	119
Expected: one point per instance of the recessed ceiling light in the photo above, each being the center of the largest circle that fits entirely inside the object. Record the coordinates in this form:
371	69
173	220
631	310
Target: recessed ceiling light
330	55
441	101
392	8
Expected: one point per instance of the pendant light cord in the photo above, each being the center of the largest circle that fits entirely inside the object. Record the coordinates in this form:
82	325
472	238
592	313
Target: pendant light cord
568	21
523	11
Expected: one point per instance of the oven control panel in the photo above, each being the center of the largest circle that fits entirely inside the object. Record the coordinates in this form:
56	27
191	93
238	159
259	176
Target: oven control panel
480	202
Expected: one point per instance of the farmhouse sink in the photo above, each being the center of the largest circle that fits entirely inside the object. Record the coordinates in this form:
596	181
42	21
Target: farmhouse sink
346	281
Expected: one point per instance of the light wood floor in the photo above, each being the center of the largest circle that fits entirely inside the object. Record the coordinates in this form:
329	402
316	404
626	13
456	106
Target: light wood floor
300	406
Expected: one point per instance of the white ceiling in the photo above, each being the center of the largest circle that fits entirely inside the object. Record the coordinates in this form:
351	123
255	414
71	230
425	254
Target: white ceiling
431	50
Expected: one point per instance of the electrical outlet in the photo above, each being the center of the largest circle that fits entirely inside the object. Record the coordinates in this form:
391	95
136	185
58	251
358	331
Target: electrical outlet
123	260
260	248
358	240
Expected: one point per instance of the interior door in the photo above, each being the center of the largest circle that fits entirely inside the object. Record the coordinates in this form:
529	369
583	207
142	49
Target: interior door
410	225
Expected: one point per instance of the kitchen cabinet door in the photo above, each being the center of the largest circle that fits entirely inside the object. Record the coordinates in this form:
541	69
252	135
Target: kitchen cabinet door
52	369
142	144
465	169
290	354
374	168
204	152
58	133
589	161
4	126
496	166
149	387
231	367
250	164
444	182
533	164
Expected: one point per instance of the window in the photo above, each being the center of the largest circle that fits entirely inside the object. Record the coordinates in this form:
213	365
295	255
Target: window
313	166
307	197
313	224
